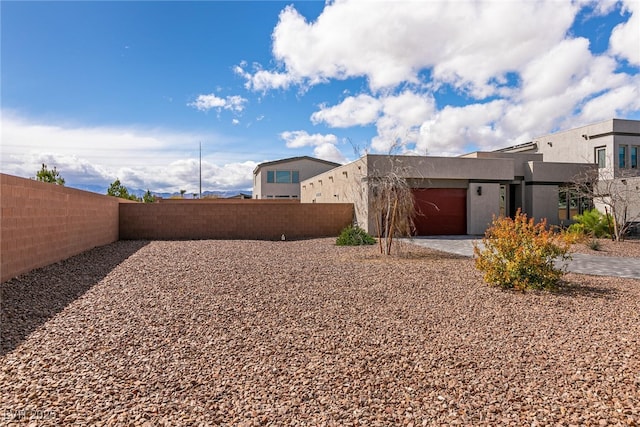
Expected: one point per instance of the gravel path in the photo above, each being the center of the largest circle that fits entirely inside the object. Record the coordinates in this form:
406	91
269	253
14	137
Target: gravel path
307	333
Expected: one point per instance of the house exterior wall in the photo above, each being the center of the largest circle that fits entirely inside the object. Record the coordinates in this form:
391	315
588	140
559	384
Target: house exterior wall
542	202
43	223
535	183
481	208
579	145
306	167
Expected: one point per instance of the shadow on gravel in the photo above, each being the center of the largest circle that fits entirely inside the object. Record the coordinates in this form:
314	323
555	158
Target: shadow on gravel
28	301
573	290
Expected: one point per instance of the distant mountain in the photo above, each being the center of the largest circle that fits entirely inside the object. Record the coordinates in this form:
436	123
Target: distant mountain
220	193
138	192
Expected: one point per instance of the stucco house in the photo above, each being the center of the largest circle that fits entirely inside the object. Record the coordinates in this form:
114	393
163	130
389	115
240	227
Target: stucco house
280	179
613	145
454	195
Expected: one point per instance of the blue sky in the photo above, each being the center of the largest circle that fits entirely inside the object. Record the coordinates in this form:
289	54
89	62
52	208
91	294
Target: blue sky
128	90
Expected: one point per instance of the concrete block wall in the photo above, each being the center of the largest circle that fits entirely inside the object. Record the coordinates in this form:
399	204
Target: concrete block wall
42	223
242	219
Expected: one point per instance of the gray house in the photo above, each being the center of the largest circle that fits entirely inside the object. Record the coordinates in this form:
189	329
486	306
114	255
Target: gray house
280	179
454	195
613	145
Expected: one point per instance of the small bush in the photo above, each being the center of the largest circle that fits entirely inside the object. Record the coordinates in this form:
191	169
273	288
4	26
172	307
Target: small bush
574	234
354	236
594	245
592	223
519	254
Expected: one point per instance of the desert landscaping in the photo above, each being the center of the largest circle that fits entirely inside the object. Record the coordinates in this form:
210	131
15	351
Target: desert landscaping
306	333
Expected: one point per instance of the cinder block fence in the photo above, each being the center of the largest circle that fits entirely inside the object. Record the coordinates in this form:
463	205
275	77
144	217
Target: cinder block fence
232	219
44	223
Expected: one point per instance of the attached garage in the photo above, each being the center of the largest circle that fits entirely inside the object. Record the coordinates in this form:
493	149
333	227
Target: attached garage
440	211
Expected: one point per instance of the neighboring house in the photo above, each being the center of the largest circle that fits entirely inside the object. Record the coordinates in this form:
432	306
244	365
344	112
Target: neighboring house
454	195
614	145
281	179
240	196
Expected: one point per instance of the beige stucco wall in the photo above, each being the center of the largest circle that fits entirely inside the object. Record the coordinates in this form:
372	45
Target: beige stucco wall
443	167
482	208
556	172
349	183
571	146
542	202
306	167
342	184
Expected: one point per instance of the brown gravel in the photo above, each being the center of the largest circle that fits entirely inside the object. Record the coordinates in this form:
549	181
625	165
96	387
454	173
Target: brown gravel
307	333
607	247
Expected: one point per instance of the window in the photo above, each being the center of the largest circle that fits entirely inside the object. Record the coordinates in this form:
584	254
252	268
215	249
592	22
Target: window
571	204
622	156
283	177
601	157
634	157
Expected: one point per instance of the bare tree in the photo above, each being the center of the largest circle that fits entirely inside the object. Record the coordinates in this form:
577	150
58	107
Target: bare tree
618	197
392	202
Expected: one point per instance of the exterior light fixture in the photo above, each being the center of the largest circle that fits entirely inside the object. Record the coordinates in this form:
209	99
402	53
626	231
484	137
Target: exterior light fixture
479	190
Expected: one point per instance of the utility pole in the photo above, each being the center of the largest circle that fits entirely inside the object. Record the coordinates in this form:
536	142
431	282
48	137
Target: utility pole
200	170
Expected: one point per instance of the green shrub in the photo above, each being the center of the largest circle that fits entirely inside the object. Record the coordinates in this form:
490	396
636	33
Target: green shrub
519	254
354	236
592	223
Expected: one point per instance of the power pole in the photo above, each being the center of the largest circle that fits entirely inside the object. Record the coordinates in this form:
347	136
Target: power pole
201	170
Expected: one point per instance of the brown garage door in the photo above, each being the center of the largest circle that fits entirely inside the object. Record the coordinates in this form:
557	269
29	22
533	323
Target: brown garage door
440	211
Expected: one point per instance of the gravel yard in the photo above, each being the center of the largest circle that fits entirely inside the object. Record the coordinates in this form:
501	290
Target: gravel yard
627	248
307	333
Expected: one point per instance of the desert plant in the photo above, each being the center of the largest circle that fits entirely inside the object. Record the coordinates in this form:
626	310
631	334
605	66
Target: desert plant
593	223
520	254
354	236
594	245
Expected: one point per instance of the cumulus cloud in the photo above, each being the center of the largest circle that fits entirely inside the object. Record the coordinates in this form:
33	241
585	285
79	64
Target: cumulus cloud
466	43
324	145
453	128
514	78
353	111
300	138
211	101
93	157
625	38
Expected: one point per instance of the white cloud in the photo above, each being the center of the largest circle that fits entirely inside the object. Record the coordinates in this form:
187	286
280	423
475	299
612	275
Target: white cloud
207	102
324	145
155	159
353	111
467	43
402	115
452	129
614	103
300	138
328	151
625	38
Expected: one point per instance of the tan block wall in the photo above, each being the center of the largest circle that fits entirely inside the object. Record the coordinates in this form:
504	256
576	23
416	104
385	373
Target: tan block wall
44	223
241	219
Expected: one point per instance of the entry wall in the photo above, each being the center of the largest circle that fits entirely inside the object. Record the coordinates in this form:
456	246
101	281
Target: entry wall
481	208
241	219
44	223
